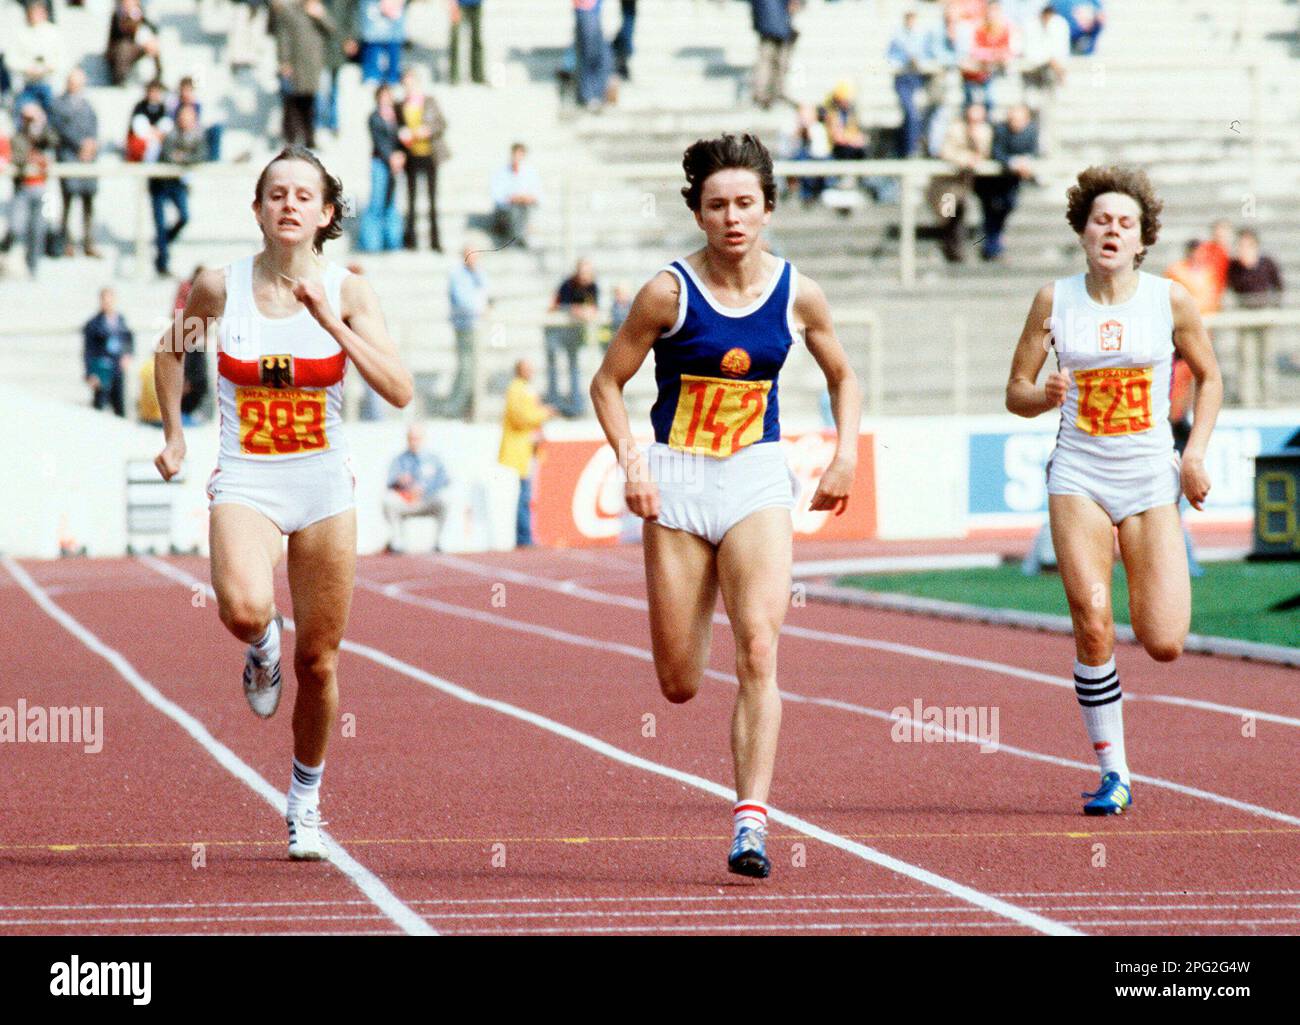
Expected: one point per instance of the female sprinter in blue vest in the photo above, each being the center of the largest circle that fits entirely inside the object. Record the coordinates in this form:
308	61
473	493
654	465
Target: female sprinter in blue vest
289	326
714	488
1114	471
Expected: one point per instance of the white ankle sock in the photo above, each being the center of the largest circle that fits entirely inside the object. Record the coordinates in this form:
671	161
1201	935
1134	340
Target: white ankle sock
1102	704
268	647
304	785
749	814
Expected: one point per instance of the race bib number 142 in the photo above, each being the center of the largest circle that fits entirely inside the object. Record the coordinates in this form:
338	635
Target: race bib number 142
717	417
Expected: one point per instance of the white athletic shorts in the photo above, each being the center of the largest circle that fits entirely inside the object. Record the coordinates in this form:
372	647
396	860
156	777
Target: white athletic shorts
707	497
1123	487
291	493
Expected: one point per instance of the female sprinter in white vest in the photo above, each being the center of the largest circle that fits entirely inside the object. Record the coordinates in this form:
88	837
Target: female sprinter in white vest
289	325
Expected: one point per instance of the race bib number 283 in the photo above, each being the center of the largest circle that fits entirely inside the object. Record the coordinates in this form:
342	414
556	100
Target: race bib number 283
280	421
1114	400
718	417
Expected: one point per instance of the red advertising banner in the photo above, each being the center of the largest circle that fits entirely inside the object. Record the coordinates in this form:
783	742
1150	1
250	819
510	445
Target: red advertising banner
578	493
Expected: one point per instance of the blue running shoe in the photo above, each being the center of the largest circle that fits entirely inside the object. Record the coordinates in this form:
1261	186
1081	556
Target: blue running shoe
1111	798
748	855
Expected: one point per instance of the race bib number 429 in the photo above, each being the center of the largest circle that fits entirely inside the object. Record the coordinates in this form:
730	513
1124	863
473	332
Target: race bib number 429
1114	400
280	421
717	417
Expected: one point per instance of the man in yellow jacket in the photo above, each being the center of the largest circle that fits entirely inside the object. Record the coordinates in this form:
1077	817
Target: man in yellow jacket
525	413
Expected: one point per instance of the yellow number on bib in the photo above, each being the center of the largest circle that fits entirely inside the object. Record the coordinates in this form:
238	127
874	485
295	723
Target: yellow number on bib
1114	400
280	421
717	417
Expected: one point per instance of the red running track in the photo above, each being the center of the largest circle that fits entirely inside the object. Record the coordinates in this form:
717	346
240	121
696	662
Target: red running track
496	772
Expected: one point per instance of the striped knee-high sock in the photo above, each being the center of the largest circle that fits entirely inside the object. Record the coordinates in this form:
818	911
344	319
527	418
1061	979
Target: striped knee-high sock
1102	703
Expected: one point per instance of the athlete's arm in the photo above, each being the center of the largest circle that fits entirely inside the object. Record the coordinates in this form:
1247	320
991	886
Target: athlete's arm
206	301
1024	396
814	312
363	335
654	311
1193	344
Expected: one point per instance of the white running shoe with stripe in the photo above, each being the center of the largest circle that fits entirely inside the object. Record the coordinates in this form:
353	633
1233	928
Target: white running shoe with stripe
262	679
305	843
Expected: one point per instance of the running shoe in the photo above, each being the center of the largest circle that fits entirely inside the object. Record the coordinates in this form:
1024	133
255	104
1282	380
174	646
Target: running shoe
1111	798
262	679
305	843
748	855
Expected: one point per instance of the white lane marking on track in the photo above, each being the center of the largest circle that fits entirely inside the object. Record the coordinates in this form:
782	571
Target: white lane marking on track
361	877
581	640
869	854
840	926
1000	668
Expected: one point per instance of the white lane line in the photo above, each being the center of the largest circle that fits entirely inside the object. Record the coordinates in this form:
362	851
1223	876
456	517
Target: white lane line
869	854
938	927
361	877
831	637
582	640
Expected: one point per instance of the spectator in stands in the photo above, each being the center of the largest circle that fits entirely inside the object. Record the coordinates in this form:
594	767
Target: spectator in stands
33	149
107	344
37	54
774	23
579	298
339	48
6	186
149	125
516	192
1194	274
621	45
1254	278
968	142
1086	20
990	53
194	386
187	96
619	308
131	36
520	428
302	33
1215	254
147	410
949	46
467	293
1015	147
912	59
74	122
470	14
421	132
416	481
1045	50
968	12
381	224
246	33
382	33
594	61
806	140
186	146
840	116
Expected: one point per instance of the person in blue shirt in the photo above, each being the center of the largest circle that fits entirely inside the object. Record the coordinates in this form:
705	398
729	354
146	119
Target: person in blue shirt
1086	19
106	353
467	293
416	481
516	190
913	61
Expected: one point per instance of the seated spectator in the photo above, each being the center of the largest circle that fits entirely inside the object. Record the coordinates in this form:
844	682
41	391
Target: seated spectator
991	50
840	116
37	54
32	149
516	191
579	297
74	122
1045	49
381	224
131	36
1086	20
416	480
968	143
1015	147
186	145
1194	274
807	140
1254	278
107	344
382	31
913	63
149	125
187	96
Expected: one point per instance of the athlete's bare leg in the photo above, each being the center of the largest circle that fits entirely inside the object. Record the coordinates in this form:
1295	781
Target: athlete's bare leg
1084	539
754	574
245	549
322	566
1159	588
682	585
